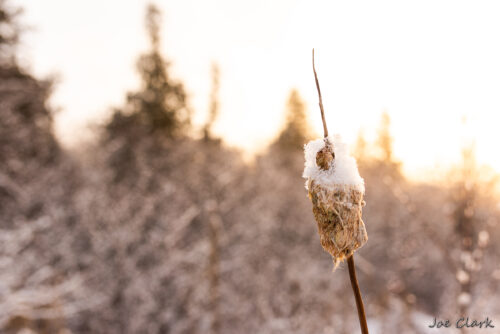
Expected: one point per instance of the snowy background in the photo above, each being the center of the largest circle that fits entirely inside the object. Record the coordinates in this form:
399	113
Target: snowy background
159	220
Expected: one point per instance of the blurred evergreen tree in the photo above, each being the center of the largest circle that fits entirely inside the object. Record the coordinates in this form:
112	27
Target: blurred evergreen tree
38	181
214	104
464	198
26	132
9	32
361	148
384	145
384	139
160	104
296	131
157	111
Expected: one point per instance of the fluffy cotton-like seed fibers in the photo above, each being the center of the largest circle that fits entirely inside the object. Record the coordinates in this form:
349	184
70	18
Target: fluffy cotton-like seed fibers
336	190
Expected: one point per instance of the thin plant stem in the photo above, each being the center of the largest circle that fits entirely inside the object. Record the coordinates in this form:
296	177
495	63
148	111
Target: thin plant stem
325	130
357	295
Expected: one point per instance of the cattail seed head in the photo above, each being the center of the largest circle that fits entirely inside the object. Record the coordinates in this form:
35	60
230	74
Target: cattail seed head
336	191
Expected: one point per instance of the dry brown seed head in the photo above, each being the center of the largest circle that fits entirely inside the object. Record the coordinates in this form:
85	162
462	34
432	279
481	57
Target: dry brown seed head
324	158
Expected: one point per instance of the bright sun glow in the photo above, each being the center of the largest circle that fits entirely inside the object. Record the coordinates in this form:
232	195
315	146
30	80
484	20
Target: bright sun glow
429	64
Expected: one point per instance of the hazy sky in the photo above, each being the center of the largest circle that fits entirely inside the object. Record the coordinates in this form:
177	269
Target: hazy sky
430	64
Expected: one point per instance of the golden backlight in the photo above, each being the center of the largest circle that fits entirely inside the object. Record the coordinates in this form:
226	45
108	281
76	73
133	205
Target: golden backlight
428	64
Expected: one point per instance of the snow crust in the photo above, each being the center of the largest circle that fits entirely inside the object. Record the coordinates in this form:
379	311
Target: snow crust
343	172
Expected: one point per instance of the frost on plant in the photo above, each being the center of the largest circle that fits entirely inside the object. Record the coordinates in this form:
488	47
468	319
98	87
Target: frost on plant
336	190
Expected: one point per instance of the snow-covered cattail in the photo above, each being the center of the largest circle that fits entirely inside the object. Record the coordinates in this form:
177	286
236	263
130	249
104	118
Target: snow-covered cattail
336	190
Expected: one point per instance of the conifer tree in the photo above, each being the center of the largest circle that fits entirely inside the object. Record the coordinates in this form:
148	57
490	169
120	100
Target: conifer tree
214	104
160	104
384	139
296	131
25	121
361	148
9	32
